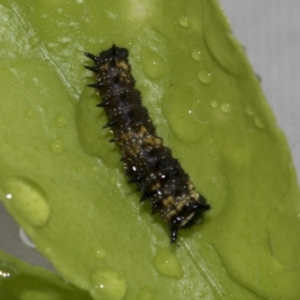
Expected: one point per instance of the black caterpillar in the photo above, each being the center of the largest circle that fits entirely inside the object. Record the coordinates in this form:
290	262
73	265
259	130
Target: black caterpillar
147	162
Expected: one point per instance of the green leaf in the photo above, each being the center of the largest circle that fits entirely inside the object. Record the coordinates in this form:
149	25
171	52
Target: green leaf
18	280
63	183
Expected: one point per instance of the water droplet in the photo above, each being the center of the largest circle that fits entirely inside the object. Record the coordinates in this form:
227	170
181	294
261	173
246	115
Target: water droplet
226	107
167	263
220	45
60	121
6	271
108	284
27	200
184	22
34	41
100	253
137	12
41	295
250	111
214	104
196	54
205	77
259	78
258	123
28	114
187	120
25	239
56	146
4	274
153	64
146	293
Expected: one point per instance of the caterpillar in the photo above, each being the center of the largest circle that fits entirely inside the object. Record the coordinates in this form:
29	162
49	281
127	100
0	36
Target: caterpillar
146	161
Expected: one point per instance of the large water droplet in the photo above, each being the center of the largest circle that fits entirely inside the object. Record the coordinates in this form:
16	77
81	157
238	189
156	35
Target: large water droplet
186	118
56	146
27	200
153	64
223	47
205	77
196	54
108	284
226	107
183	21
167	263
